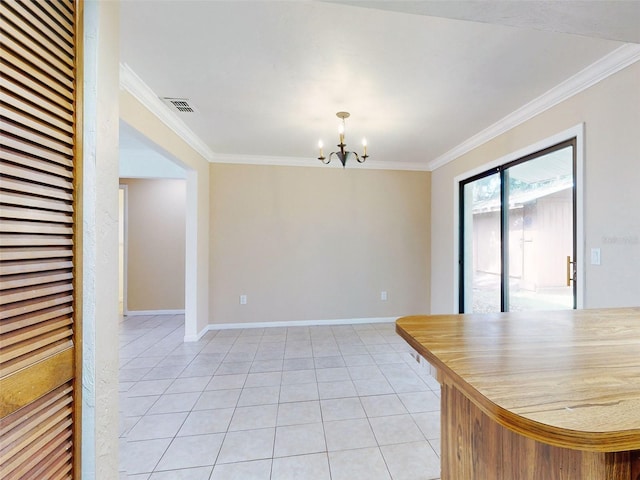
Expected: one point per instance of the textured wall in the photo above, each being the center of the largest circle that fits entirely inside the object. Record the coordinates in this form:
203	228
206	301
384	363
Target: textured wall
99	239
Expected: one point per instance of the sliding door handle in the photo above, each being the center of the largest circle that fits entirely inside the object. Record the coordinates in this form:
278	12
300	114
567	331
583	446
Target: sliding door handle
571	271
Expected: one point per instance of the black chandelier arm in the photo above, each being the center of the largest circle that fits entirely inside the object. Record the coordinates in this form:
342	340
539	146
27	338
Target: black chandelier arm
343	154
328	159
360	159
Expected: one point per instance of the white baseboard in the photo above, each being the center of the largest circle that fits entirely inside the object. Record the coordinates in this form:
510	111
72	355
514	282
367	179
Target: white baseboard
137	313
302	323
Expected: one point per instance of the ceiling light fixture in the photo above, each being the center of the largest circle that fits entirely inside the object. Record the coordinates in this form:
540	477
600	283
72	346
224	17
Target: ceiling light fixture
342	154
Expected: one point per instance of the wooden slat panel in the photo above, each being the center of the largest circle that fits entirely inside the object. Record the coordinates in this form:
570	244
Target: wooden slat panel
12	240
35	266
30	124
64	473
25	321
41	328
48	166
63	26
36	105
16	226
17	117
11	352
38	133
60	13
23	362
34	215
41	165
44	81
14	440
18	152
23	352
54	96
55	75
40	47
33	292
32	418
63	54
17	171
70	6
19	253
11	87
59	461
23	308
25	386
25	186
19	9
34	136
34	411
44	433
20	461
19	103
30	201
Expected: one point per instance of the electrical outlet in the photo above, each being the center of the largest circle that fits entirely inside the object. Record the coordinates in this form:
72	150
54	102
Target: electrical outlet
243	299
383	296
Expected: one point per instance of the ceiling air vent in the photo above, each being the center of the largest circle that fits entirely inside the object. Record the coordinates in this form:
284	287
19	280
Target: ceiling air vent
179	104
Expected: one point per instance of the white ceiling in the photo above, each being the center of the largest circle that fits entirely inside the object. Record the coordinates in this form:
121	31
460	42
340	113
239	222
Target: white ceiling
266	78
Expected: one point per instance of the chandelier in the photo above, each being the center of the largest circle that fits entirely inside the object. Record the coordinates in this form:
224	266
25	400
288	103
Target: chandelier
343	154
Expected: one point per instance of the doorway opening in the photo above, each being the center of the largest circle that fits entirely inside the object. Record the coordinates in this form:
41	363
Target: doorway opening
122	255
517	245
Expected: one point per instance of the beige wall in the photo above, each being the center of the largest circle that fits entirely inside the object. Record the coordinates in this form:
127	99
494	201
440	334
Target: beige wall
314	244
155	244
143	120
611	114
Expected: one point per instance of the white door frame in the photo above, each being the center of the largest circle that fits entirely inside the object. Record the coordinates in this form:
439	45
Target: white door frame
125	255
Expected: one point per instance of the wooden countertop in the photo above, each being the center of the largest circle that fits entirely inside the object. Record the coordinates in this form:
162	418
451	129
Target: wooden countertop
569	378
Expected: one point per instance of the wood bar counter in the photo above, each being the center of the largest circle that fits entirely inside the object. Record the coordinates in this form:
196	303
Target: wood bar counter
535	395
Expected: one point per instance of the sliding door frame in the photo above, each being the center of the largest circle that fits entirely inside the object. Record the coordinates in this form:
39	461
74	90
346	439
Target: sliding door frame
571	137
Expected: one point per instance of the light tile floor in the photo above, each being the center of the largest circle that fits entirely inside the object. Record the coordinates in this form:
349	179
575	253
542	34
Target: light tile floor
295	403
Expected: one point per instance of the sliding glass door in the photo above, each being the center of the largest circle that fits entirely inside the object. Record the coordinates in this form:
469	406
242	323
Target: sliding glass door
517	234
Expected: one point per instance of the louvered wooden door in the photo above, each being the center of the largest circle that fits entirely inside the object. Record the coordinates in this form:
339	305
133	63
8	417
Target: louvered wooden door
37	326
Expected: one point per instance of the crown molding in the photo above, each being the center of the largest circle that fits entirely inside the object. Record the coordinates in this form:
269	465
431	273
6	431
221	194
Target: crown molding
313	162
133	84
612	63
